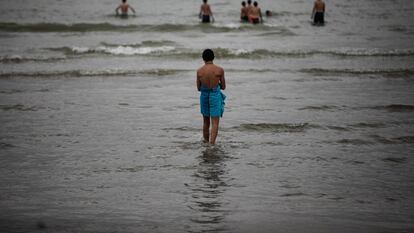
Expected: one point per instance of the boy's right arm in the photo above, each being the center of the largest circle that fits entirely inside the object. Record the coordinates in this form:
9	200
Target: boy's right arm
222	80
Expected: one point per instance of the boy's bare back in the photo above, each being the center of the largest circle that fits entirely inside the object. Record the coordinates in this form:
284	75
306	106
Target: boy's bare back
124	7
205	9
210	76
319	6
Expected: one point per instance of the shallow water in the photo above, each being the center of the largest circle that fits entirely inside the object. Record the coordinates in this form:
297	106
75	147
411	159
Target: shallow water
101	130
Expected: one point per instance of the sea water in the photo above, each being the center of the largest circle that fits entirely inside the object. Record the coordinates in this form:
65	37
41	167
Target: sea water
101	130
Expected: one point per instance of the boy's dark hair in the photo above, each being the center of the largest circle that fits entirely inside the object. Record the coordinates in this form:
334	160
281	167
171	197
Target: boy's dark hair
124	1
205	1
249	2
243	3
208	55
255	4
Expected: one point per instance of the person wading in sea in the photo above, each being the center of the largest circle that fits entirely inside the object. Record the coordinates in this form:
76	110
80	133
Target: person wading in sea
244	12
124	9
318	12
205	13
210	82
249	7
255	14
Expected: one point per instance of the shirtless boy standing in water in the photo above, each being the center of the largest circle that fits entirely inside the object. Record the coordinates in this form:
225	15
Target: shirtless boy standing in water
255	14
249	7
210	82
124	9
318	12
205	13
244	12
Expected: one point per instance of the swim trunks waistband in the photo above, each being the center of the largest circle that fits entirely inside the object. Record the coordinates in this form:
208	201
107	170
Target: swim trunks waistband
207	89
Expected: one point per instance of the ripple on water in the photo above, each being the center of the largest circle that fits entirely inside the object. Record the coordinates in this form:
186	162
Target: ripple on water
289	186
353	142
294	194
396	108
17	107
131	169
321	108
4	145
395	159
275	127
183	128
394	140
367	125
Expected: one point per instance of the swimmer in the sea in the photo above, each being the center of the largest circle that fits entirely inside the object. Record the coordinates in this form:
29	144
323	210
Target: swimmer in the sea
318	12
255	14
269	13
244	14
124	9
249	7
205	13
210	82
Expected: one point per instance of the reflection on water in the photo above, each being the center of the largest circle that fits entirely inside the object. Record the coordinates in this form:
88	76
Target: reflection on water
208	189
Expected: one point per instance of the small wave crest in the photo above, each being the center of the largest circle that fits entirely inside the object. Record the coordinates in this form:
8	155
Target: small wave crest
394	140
367	52
118	50
21	59
87	27
145	43
384	72
396	108
16	107
4	145
395	159
275	128
320	108
353	141
87	73
169	48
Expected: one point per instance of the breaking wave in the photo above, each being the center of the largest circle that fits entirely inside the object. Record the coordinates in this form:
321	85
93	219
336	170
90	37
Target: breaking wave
169	48
21	59
118	50
88	27
88	73
384	72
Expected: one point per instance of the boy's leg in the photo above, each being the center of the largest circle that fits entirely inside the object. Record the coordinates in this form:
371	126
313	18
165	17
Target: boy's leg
206	128
214	129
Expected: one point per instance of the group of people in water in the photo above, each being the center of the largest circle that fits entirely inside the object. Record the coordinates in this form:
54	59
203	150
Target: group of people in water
248	13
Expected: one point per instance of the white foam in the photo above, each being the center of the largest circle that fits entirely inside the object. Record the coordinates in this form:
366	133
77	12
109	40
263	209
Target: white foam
80	49
231	25
124	50
240	51
371	51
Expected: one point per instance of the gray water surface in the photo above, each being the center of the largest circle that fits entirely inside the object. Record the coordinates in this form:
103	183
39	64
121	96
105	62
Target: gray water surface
101	130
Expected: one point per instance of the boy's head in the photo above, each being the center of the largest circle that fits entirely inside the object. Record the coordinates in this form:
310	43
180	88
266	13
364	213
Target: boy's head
208	55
